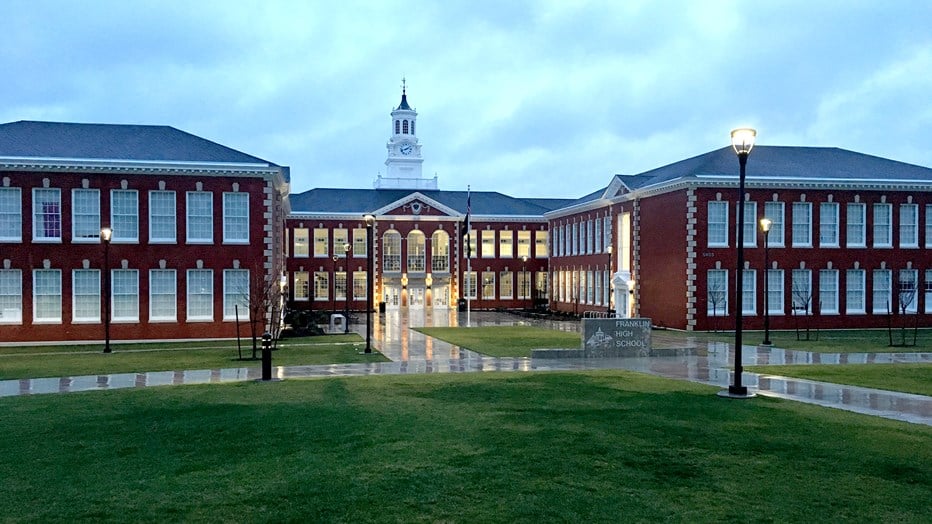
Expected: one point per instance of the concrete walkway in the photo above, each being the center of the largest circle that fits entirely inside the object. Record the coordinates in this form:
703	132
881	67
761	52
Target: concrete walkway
412	352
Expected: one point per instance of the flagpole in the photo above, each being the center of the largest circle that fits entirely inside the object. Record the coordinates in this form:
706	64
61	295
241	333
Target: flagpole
468	259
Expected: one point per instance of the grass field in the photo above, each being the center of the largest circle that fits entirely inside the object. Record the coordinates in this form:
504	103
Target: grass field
580	447
504	341
908	378
61	361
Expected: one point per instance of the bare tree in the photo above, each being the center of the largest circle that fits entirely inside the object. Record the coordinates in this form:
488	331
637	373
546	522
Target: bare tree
261	298
718	300
802	303
906	296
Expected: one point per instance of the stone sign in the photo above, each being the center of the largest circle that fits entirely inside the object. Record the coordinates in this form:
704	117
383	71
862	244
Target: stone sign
609	337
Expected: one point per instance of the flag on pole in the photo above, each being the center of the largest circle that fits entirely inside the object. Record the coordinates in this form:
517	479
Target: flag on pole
466	225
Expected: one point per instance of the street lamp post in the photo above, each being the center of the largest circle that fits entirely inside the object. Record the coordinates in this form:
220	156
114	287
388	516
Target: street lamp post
743	141
608	286
765	224
524	278
105	234
370	225
346	287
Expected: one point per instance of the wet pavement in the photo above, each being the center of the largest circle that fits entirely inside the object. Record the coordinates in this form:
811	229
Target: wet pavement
412	353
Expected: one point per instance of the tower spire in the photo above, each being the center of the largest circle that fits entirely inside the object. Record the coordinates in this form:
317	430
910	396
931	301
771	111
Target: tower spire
404	96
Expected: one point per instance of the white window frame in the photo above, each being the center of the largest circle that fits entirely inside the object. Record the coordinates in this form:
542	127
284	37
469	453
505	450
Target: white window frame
749	290
199	211
158	289
750	224
124	216
321	286
907	277
321	242
119	312
828	292
524	243
11	296
236	292
488	285
828	224
714	308
802	224
235	218
909	225
856	226
52	277
11	214
46	219
302	250
360	242
487	248
163	217
855	292
198	276
506	244
302	286
470	284
85	293
802	294
717	224
360	285
883	225
506	285
928	234
541	243
882	292
85	216
776	299
927	286
391	251
776	212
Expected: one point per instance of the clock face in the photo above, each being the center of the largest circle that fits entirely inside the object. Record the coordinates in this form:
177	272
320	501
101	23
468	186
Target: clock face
406	149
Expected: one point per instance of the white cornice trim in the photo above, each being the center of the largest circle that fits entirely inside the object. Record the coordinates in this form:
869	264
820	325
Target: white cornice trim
598	203
130	166
418	218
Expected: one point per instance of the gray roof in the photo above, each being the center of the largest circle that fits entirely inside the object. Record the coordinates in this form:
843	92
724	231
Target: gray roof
786	163
51	140
361	201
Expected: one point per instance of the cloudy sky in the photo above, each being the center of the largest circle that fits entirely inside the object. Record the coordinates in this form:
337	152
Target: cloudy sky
530	98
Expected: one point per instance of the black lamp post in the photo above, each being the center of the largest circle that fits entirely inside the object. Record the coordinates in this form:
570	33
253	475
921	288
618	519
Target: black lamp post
765	224
105	235
346	287
743	141
525	283
370	225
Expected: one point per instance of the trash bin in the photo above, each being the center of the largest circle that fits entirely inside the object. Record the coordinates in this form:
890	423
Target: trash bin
461	304
381	307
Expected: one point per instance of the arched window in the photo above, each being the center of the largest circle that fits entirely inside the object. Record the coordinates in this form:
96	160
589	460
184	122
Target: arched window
391	251
440	252
417	252
412	127
404	126
397	126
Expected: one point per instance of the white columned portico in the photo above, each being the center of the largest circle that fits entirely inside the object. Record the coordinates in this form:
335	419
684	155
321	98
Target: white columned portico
622	283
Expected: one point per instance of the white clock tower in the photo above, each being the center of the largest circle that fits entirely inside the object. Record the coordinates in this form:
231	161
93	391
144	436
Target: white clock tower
404	152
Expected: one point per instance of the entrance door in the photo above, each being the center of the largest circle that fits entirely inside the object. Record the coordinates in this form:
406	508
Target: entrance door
392	296
416	297
441	297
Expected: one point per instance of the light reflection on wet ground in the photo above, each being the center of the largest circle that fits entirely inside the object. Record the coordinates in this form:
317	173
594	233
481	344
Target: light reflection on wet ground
412	352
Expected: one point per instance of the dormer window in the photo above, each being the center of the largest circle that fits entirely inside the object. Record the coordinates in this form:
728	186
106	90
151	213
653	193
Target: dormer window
404	127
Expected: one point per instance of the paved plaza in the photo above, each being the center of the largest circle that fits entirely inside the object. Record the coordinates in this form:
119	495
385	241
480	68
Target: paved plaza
412	352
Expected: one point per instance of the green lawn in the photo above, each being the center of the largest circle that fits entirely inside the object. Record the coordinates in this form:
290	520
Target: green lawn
60	361
908	378
607	446
504	341
829	341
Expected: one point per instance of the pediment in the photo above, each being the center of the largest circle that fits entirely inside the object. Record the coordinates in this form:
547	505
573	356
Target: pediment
416	204
616	188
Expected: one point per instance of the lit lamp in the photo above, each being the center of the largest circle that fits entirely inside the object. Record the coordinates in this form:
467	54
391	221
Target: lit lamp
346	288
370	225
765	225
105	234
743	141
429	280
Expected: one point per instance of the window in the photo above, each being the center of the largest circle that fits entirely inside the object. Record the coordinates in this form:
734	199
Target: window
404	127
11	214
524	285
200	294
46	217
11	296
302	243
360	285
162	227
749	292
750	224
321	285
340	239
582	238
802	224
883	226
124	215
162	295
540	245
718	224
928	291
907	297
125	295
488	285
717	287
360	244
236	218
828	224
506	244
440	252
236	293
417	252
775	291
321	242
488	244
882	297
85	215
598	236
86	295
339	285
506	284
928	226
469	281
524	244
774	211
854	295
909	225
200	218
391	252
46	296
397	127
302	287
802	291
828	291
574	244
541	287
856	228
590	291
589	243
